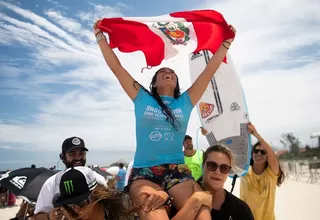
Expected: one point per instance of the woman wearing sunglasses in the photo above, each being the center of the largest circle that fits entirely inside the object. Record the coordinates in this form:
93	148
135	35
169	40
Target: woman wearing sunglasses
217	163
258	187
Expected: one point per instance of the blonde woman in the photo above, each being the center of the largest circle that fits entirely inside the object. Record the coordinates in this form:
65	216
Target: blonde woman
217	163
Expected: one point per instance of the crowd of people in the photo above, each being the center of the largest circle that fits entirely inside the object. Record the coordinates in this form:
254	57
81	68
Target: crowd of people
162	182
78	192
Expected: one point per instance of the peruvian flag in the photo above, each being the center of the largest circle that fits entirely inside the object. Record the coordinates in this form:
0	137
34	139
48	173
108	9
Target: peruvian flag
164	37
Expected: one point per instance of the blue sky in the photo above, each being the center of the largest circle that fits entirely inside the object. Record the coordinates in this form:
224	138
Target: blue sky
54	82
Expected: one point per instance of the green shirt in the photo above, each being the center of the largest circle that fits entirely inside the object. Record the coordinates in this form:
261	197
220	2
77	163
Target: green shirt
194	163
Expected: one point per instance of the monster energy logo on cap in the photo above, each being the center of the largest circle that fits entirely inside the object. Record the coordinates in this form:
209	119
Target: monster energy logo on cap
68	185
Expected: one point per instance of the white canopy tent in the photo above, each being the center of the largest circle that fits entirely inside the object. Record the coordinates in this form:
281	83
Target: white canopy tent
316	135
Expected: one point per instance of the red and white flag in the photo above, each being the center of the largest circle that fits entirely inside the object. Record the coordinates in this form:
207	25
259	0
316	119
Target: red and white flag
164	37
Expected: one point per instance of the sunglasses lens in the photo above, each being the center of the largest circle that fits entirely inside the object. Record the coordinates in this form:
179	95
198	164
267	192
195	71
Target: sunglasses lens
212	166
256	151
225	169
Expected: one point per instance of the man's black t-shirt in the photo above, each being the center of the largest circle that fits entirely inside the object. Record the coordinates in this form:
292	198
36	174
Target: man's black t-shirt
232	208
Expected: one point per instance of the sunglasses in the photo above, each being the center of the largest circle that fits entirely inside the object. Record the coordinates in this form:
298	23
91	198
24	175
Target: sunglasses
256	151
213	166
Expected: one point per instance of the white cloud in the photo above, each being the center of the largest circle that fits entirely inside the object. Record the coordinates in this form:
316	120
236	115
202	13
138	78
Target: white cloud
102	11
42	22
279	99
71	25
53	2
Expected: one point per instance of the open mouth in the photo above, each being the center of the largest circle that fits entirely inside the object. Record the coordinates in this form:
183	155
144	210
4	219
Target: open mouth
167	77
77	163
259	157
215	179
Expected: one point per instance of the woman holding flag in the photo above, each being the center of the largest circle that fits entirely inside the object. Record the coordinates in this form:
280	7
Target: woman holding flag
162	116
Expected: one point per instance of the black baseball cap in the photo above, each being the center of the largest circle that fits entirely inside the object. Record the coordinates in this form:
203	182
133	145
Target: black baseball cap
76	185
72	143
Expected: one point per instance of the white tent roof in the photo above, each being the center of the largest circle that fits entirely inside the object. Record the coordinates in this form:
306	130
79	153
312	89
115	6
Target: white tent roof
314	135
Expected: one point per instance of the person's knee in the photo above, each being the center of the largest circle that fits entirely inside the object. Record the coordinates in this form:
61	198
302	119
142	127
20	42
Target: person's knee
138	199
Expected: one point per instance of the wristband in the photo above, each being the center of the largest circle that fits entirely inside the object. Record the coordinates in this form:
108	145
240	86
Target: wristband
99	37
225	46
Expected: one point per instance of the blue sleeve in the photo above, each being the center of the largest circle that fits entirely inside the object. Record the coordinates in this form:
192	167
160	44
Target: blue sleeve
186	101
141	95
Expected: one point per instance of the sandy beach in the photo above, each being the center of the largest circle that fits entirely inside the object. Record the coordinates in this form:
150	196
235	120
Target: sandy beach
295	200
10	212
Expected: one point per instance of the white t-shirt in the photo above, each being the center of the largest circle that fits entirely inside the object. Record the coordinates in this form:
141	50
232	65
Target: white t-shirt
51	188
128	173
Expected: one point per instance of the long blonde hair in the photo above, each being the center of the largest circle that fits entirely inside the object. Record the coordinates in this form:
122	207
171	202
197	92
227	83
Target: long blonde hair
113	203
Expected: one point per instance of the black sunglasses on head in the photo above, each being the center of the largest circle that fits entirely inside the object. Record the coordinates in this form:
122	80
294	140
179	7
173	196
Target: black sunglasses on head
256	151
213	166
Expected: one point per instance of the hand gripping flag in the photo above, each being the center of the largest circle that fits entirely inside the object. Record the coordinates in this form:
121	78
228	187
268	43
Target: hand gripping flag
164	37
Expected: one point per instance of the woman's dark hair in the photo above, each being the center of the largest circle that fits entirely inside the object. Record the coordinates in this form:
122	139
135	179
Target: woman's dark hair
165	110
113	202
281	174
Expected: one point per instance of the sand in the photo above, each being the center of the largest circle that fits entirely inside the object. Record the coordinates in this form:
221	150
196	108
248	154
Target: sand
10	212
295	200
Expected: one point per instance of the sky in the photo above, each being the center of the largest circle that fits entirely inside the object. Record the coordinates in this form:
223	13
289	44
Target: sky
54	82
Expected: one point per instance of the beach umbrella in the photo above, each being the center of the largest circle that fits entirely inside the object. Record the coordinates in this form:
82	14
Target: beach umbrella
102	172
26	182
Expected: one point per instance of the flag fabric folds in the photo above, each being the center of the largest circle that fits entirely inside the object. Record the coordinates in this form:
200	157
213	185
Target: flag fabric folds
164	37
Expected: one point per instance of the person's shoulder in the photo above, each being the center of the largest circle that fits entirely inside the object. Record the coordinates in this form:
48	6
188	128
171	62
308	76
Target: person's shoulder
235	200
100	179
142	95
270	174
248	175
53	179
237	204
97	175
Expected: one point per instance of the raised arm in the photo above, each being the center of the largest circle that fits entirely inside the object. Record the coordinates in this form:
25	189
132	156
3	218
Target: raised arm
126	80
199	86
272	158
